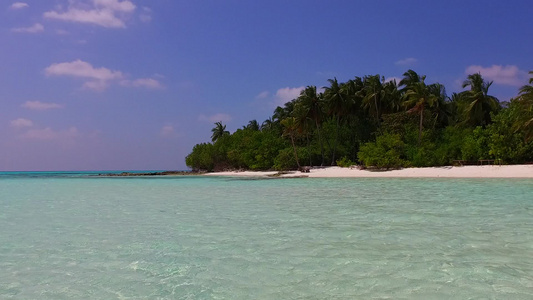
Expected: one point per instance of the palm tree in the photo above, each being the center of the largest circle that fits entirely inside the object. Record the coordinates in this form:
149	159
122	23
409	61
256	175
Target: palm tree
524	121
313	106
267	124
410	77
479	103
372	96
526	91
304	125
392	97
418	97
253	125
442	110
336	100
291	130
354	89
218	131
281	113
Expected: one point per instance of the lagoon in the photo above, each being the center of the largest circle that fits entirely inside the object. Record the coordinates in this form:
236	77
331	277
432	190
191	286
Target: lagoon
73	236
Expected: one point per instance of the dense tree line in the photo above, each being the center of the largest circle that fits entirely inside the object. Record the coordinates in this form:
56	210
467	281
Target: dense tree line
384	124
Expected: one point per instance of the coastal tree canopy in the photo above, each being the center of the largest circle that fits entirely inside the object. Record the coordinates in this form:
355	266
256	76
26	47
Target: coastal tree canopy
377	123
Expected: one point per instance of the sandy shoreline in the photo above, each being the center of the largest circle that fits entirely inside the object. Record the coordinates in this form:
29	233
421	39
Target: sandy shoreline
492	171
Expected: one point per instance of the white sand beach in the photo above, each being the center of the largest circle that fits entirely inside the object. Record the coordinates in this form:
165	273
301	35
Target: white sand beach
490	171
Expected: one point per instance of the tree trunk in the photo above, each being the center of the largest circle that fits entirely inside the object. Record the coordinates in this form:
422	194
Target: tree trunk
321	142
309	150
420	127
377	109
335	142
295	153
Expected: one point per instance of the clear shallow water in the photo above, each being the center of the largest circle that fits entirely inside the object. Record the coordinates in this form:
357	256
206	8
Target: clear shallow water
76	237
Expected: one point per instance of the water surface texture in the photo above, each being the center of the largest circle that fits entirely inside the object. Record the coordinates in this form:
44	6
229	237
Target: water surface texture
70	236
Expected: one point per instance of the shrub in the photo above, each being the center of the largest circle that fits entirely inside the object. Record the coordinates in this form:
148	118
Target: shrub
388	151
345	162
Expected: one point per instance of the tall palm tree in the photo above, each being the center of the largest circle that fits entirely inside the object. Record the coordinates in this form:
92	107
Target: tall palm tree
455	103
253	125
267	124
218	131
418	97
281	113
410	77
372	96
304	125
524	121
442	110
312	103
290	129
527	90
337	104
479	103
392	97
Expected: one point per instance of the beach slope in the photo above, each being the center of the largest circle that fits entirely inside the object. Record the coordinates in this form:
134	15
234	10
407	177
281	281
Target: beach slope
491	171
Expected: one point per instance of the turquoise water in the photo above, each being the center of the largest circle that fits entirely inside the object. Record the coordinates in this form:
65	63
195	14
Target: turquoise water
66	236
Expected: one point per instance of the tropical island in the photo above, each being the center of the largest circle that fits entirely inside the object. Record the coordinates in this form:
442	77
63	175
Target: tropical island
373	123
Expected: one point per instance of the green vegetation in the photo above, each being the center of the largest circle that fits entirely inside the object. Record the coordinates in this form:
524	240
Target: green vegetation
378	123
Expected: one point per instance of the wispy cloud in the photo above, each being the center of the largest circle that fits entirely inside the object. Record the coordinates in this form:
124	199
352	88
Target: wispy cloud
97	79
105	13
219	117
406	61
35	28
505	75
38	105
168	131
262	95
19	5
146	15
50	134
21	123
149	83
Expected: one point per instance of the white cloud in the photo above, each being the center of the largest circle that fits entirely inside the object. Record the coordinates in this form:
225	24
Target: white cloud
406	62
105	13
98	79
35	28
96	85
287	94
19	5
220	117
38	105
79	68
143	82
115	5
50	134
504	75
21	123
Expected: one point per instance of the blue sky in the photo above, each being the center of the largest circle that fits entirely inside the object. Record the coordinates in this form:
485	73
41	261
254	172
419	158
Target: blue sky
134	84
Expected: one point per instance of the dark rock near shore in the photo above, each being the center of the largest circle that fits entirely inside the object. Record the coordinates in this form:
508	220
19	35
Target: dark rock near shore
164	173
